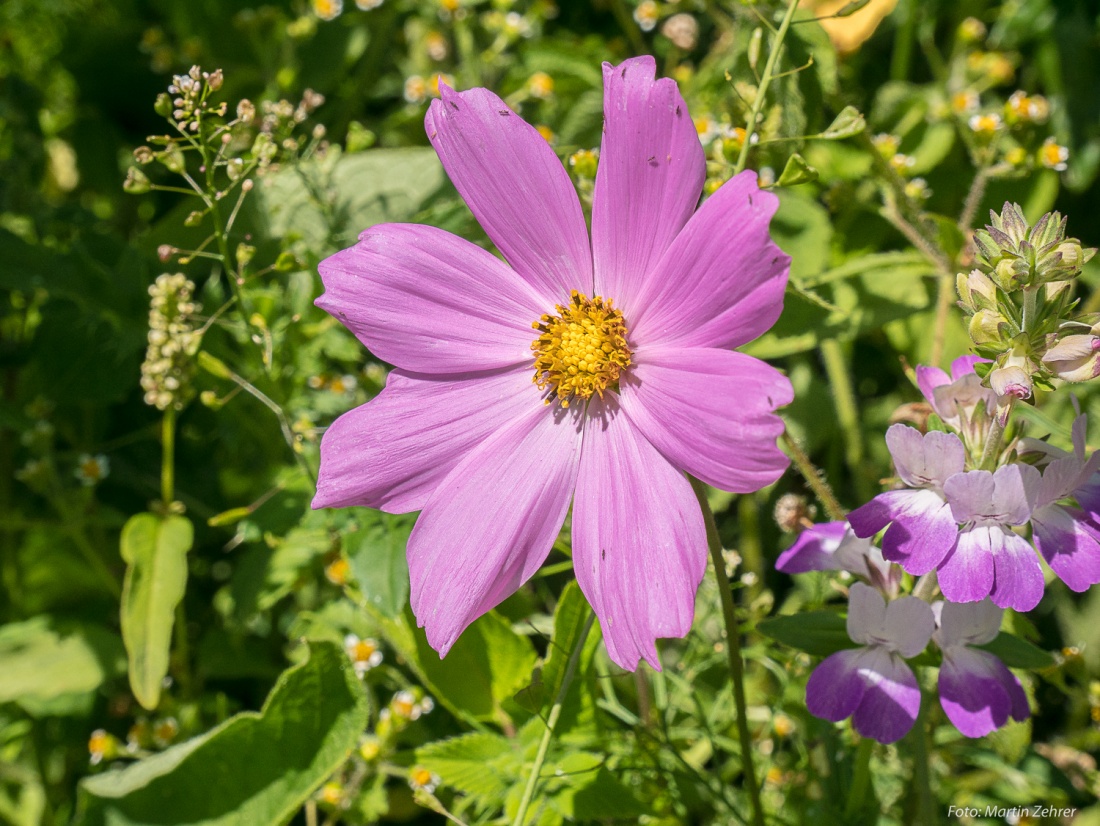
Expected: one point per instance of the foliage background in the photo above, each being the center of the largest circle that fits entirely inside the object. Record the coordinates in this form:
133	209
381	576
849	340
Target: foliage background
265	574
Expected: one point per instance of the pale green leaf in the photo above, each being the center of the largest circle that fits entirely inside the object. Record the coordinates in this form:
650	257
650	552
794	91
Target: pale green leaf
155	551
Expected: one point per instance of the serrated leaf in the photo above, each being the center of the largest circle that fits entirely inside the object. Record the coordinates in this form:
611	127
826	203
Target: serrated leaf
1018	653
481	764
155	551
816	632
376	554
46	659
256	768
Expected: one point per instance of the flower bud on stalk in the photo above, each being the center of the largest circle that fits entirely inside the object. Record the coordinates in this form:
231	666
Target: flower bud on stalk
168	369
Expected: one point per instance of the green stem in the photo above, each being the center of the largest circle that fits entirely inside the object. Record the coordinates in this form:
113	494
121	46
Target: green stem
903	43
925	806
814	478
847	411
551	724
765	81
1031	296
861	779
168	457
996	434
733	650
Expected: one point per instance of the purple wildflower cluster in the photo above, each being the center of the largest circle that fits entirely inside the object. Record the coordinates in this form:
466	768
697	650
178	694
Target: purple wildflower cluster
959	521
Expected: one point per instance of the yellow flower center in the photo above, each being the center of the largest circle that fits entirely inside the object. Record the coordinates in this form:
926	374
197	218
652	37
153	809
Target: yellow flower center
581	350
363	650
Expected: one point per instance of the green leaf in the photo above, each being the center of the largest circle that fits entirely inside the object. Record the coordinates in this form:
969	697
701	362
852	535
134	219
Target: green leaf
482	765
1018	653
797	171
376	554
578	708
849	122
370	187
155	551
254	768
46	659
816	632
487	664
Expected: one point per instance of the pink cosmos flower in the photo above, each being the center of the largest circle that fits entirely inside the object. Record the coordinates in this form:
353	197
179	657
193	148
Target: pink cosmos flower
593	372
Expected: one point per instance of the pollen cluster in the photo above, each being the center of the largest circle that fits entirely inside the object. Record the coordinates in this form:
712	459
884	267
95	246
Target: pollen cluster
581	350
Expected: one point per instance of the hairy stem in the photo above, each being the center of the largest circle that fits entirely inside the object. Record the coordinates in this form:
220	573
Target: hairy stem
733	651
861	779
765	81
551	724
996	434
814	478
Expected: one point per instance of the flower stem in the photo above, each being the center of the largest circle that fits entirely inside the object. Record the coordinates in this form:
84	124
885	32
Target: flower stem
814	478
861	779
168	458
847	411
924	810
765	81
996	434
733	650
551	724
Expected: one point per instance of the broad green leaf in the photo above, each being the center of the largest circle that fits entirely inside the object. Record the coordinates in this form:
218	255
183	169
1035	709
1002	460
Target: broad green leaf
816	632
155	551
376	554
45	660
256	768
481	764
578	709
1018	653
370	187
486	666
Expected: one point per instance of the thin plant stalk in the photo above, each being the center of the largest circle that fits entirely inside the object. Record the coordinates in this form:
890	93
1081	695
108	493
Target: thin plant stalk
733	652
814	478
765	81
168	458
861	779
847	410
551	724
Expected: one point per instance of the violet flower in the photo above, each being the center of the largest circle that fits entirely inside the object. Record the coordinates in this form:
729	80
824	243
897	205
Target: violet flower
977	691
989	559
873	684
831	546
922	529
1066	536
955	398
593	372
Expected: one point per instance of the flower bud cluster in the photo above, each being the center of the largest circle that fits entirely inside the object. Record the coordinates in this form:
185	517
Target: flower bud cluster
1019	297
168	370
189	97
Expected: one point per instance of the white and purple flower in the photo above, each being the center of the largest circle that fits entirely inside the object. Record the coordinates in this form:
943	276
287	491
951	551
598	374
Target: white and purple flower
956	398
977	691
831	546
873	684
988	558
922	528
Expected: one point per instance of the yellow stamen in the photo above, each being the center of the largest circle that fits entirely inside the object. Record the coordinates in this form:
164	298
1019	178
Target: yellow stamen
580	351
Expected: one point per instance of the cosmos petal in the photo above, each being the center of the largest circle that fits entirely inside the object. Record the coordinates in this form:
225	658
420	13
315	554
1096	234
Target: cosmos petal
711	413
649	178
492	521
393	451
516	187
721	282
639	544
427	301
